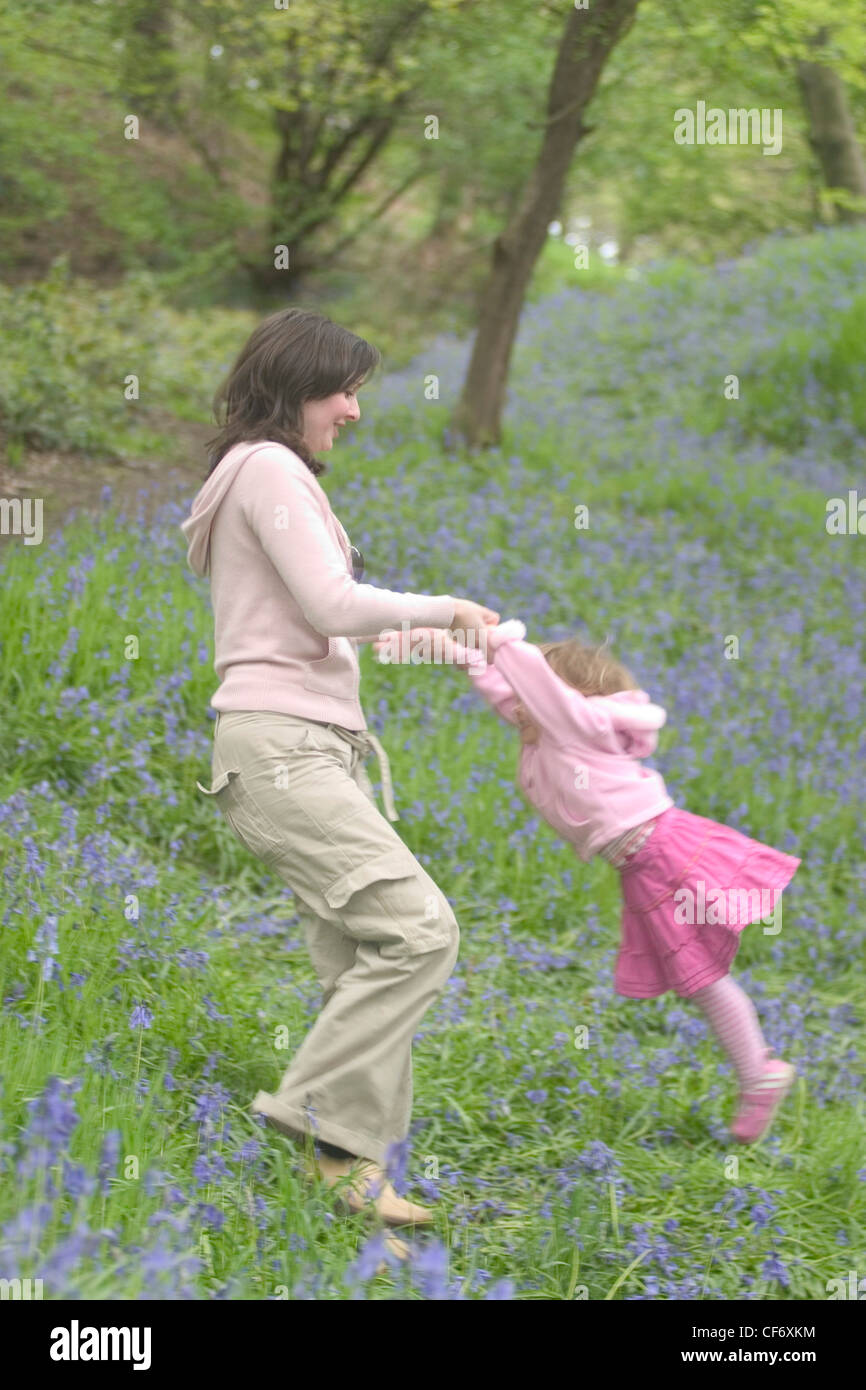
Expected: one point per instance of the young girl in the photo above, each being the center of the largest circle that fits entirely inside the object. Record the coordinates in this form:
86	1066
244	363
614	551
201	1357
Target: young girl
689	885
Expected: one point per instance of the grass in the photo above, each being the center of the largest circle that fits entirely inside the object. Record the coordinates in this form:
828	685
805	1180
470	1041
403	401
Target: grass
154	976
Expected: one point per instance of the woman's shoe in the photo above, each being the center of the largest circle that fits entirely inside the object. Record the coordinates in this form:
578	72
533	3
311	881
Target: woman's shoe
759	1104
366	1187
398	1248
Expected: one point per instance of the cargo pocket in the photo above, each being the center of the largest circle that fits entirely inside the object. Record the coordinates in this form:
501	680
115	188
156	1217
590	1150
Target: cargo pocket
391	905
251	827
393	864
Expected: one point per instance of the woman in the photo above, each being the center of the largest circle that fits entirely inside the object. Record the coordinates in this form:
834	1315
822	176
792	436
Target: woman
290	736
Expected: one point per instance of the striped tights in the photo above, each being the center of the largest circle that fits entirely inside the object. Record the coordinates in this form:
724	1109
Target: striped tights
731	1015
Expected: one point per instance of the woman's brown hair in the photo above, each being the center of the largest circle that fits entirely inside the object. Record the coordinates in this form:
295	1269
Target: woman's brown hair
293	356
591	670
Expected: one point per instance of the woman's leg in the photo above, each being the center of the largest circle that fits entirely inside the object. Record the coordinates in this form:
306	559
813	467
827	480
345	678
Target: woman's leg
345	1081
332	953
291	791
731	1016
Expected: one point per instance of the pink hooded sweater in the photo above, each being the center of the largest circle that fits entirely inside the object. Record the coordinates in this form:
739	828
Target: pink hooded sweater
288	613
584	775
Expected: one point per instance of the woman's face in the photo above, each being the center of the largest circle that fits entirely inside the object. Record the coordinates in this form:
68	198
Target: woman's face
322	419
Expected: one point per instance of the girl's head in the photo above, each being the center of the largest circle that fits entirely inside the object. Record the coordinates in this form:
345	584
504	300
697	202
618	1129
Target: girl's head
294	381
591	670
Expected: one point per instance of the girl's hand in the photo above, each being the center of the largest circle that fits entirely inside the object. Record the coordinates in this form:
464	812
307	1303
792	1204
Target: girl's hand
495	637
469	617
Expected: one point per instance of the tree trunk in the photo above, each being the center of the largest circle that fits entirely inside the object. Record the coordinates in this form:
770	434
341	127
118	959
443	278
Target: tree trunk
831	130
149	78
588	39
316	168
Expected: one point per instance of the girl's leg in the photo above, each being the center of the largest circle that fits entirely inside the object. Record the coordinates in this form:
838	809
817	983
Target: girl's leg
732	1017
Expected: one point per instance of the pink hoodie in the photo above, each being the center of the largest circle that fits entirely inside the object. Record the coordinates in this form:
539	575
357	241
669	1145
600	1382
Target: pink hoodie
288	614
583	775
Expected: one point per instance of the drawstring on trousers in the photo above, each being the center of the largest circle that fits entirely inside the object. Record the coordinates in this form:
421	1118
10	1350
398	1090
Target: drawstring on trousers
365	742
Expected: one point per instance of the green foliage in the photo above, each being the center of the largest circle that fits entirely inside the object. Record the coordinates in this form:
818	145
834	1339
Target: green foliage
73	185
555	270
807	376
69	348
108	847
841	370
193	197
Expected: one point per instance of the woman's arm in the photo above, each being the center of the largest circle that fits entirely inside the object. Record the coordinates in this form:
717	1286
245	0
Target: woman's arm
279	502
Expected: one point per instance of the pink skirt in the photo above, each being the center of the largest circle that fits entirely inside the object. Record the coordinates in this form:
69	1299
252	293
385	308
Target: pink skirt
686	895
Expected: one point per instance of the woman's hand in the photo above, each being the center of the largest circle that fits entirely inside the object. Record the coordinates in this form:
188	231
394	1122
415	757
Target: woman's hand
452	642
471	617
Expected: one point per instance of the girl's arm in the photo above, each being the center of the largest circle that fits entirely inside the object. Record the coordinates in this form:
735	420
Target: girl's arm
626	721
493	686
485	678
550	702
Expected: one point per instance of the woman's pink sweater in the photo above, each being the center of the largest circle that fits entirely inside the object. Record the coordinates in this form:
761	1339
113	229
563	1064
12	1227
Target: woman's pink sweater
288	613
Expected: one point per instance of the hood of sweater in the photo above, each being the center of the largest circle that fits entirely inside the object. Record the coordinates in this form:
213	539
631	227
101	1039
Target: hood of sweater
634	721
207	502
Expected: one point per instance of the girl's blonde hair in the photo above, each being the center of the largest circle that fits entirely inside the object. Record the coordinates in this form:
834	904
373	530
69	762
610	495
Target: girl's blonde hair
591	670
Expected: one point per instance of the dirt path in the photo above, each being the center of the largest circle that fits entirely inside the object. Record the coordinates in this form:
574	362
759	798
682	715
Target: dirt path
70	483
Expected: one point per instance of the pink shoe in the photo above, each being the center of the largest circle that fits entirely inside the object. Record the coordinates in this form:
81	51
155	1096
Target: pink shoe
759	1104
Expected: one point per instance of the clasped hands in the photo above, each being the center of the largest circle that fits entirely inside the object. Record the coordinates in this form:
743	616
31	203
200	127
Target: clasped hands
453	642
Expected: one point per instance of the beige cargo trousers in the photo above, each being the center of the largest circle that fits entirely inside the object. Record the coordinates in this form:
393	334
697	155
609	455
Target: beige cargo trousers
381	935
